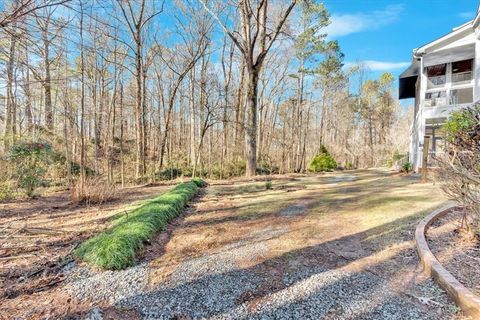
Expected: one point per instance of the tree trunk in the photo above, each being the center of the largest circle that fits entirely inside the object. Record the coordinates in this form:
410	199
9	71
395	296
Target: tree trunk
370	140
143	120
82	105
122	161
28	102
239	113
193	157
139	169
298	153
10	122
47	85
251	129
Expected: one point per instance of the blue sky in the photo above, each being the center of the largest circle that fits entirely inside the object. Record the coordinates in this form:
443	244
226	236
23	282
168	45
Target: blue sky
384	32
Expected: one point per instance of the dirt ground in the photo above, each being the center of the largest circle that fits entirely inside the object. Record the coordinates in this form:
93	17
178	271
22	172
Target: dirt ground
456	249
358	207
362	221
250	246
38	236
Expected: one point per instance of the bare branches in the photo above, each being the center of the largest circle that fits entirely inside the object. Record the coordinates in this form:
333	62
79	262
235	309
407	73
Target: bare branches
224	27
26	7
133	92
276	32
460	170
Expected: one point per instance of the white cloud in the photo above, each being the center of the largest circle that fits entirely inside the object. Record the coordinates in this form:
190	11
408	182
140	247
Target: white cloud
374	65
345	24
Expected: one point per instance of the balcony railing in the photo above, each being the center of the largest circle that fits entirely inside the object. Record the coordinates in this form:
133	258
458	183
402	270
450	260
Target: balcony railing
462	77
436	81
460	96
436	102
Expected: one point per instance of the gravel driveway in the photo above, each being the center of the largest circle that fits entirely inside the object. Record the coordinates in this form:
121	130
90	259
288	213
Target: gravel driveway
346	252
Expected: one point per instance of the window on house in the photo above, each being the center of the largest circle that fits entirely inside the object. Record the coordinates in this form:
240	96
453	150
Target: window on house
436	99
437	75
462	71
461	96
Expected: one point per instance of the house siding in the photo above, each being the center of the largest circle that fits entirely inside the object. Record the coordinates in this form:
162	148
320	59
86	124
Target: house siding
465	35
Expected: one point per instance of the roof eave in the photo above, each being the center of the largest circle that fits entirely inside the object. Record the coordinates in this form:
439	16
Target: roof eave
476	21
465	27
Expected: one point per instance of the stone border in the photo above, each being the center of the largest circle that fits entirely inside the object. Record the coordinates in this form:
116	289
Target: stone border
467	300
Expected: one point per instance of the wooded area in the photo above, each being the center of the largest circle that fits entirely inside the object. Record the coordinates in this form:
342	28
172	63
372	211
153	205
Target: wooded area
152	151
136	91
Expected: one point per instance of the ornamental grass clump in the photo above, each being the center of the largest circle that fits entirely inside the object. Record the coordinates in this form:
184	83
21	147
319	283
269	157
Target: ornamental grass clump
117	247
95	190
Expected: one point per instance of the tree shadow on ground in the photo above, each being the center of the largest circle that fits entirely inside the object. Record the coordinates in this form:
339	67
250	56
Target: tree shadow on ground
337	284
247	216
324	285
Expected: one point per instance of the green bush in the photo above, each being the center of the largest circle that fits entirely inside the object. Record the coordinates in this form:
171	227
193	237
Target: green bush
234	169
323	161
407	167
199	182
395	157
59	160
116	247
217	173
7	193
30	162
265	168
169	174
187	171
462	130
460	124
268	185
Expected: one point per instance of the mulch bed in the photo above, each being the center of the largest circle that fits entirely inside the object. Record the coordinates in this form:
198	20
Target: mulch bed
456	249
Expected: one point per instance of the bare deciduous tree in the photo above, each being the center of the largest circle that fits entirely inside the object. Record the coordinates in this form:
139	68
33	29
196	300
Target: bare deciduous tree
256	41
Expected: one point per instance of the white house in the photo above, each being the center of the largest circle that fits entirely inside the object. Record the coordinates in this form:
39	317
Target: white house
444	76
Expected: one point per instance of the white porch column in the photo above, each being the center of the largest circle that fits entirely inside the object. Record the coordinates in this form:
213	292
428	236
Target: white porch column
421	134
476	65
421	117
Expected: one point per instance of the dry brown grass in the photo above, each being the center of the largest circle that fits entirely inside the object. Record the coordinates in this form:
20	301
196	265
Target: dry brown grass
374	212
66	224
95	190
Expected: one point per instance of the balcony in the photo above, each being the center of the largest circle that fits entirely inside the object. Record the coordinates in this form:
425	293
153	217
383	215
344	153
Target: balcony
463	77
436	99
461	96
436	81
449	84
453	97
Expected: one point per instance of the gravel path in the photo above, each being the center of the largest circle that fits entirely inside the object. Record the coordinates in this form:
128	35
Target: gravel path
322	294
109	286
206	285
253	276
329	293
